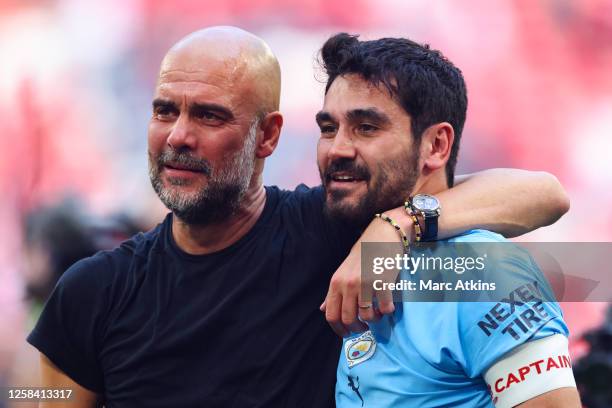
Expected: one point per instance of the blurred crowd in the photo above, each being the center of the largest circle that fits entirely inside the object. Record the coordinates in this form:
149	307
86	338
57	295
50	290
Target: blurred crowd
54	238
77	79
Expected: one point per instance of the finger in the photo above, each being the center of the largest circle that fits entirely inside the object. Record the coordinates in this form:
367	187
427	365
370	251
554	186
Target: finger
367	314
350	306
333	308
366	310
322	307
338	328
385	302
349	313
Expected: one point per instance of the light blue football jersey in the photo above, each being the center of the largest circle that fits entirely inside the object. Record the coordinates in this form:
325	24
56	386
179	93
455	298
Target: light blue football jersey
435	354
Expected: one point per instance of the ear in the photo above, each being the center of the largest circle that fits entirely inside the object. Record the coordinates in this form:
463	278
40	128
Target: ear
436	145
271	126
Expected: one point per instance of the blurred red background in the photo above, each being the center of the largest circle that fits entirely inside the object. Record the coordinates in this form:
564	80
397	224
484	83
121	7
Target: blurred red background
77	78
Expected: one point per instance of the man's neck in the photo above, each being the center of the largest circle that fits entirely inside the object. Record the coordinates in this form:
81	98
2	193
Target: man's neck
201	240
432	185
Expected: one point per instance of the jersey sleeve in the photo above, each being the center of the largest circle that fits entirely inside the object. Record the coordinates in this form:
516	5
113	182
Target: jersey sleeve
70	326
522	310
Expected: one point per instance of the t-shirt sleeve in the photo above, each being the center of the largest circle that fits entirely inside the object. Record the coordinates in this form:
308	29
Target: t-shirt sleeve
524	311
70	326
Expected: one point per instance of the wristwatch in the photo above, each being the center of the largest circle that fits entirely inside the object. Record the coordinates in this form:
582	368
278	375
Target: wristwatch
428	207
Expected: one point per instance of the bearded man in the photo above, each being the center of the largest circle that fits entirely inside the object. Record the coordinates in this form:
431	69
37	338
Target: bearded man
393	115
218	305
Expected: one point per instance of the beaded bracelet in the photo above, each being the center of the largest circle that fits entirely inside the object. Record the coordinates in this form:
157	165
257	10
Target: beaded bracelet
417	226
405	240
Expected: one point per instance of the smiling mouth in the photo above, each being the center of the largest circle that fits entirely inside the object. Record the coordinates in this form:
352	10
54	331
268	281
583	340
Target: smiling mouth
340	179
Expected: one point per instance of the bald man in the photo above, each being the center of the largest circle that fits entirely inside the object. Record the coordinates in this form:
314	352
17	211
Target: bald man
218	305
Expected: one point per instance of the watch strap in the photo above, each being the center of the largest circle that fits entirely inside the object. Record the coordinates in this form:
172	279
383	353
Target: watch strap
431	226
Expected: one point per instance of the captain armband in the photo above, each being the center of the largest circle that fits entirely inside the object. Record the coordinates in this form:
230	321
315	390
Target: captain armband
532	369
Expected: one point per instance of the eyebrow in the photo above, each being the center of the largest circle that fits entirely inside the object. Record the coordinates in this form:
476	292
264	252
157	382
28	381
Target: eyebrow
160	102
196	108
371	114
357	115
323	116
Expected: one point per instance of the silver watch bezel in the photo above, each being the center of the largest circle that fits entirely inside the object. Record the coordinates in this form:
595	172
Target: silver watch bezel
427	212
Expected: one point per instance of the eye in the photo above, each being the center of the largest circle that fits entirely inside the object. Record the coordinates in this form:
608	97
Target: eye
208	117
164	112
327	130
366	128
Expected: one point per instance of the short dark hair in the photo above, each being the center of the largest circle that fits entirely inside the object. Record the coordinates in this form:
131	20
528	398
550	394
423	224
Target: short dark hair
424	82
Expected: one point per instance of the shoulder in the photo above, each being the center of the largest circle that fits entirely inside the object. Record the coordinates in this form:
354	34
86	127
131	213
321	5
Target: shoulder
303	204
302	212
504	303
90	277
300	195
102	269
501	255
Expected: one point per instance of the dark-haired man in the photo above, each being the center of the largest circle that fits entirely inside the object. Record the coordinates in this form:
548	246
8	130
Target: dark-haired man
390	127
217	306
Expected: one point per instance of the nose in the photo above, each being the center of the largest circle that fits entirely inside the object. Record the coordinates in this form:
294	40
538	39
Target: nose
182	134
342	147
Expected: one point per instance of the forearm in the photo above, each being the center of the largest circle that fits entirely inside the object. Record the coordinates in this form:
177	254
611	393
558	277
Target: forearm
508	201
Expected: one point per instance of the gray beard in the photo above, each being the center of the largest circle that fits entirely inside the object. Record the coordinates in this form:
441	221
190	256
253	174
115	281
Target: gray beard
221	197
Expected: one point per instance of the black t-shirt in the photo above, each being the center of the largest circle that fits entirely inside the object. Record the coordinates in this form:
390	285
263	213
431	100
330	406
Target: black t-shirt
148	325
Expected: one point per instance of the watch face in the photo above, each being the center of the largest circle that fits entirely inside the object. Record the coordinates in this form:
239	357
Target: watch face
425	202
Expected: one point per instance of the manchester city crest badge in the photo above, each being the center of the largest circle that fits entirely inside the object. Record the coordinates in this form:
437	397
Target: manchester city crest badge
359	349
